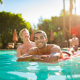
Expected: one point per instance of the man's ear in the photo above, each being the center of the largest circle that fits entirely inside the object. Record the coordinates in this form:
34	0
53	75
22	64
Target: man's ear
46	39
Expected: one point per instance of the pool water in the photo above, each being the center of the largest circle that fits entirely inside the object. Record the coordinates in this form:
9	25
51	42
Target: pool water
12	70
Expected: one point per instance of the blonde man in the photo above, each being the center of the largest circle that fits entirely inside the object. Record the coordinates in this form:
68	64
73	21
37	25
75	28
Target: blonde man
27	44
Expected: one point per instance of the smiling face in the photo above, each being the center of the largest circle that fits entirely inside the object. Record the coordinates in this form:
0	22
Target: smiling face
40	40
25	35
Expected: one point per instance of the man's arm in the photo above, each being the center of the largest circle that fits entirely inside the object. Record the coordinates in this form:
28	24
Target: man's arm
32	56
18	52
29	56
25	57
56	49
77	42
39	58
53	57
55	54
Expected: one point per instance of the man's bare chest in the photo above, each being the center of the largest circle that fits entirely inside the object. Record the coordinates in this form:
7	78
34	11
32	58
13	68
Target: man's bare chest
25	49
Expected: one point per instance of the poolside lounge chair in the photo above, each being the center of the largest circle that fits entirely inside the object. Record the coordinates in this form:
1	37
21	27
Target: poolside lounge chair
64	44
18	44
10	45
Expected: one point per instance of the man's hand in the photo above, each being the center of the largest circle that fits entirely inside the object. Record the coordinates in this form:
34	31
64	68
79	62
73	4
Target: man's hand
37	57
25	58
44	56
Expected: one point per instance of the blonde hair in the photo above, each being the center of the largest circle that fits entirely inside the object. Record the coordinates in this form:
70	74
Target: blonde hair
20	33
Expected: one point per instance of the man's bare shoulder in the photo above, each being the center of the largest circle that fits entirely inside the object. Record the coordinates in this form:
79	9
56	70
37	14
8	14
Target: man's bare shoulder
33	43
20	47
54	47
76	38
33	51
19	51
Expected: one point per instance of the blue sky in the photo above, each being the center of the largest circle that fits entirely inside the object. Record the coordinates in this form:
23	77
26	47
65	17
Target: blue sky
32	10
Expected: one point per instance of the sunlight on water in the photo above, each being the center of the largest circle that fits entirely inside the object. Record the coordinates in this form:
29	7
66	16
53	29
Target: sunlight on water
24	75
12	70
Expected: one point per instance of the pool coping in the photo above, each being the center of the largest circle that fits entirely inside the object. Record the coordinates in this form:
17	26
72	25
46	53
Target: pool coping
68	48
7	49
16	49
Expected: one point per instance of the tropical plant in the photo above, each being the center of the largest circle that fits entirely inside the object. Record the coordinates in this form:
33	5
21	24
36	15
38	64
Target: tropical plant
9	22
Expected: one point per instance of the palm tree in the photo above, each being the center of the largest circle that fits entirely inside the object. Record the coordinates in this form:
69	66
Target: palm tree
64	19
75	5
70	17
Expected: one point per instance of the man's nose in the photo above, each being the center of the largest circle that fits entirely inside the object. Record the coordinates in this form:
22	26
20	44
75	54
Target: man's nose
39	39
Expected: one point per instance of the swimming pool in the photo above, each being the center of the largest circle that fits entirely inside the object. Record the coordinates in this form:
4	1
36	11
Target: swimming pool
12	70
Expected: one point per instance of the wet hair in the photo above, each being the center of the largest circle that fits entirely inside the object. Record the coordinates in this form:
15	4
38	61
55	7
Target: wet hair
20	33
40	31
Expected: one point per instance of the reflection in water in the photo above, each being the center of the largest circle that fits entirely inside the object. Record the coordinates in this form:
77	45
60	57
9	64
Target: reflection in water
71	69
29	76
65	70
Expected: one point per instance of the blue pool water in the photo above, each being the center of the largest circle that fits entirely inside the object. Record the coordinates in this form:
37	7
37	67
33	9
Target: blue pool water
12	70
